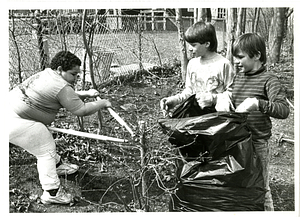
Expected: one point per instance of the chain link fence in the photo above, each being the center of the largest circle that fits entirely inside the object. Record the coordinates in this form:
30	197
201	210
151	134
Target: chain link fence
120	44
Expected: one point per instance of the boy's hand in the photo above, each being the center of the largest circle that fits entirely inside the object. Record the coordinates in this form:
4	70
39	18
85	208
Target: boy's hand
249	105
223	103
165	105
87	93
105	103
204	99
92	93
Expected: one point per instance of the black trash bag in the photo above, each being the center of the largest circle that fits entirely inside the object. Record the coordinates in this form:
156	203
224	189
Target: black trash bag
191	108
219	170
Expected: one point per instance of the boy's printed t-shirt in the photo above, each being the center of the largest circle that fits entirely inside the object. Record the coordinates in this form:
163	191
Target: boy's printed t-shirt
41	96
267	89
212	75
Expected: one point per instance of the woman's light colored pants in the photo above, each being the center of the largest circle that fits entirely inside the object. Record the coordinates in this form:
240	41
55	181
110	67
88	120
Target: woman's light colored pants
35	138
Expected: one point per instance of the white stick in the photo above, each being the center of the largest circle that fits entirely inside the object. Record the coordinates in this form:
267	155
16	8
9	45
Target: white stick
119	119
87	135
290	103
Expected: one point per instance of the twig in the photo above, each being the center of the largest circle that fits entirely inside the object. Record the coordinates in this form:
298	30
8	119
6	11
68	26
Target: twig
143	153
290	103
110	187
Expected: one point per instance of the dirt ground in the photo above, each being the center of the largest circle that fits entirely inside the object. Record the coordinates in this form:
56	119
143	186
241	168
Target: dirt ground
104	166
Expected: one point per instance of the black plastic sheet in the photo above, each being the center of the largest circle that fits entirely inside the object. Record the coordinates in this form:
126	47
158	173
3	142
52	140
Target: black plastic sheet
219	170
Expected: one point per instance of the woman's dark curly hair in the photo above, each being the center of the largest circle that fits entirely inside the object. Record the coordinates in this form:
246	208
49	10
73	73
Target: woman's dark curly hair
66	60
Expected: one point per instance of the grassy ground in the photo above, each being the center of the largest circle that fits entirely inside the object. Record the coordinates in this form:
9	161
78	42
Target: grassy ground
105	163
108	163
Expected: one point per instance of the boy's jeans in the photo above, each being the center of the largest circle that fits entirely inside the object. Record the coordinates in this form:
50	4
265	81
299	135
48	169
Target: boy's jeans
263	152
35	138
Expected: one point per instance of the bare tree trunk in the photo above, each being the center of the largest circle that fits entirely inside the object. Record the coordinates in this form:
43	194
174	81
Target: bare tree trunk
266	22
195	14
143	151
253	19
240	19
208	15
203	14
89	52
256	19
182	44
17	48
244	21
230	30
276	33
290	28
139	26
42	53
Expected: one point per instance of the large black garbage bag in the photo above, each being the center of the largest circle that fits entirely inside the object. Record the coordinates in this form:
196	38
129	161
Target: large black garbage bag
219	170
190	108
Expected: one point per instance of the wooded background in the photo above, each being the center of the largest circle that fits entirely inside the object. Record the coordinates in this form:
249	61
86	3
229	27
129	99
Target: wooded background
274	24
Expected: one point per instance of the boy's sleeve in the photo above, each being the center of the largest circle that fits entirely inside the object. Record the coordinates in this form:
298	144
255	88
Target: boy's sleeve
187	92
228	76
223	100
276	106
69	99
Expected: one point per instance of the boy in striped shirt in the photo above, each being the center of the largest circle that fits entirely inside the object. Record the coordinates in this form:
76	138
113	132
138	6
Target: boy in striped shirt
259	92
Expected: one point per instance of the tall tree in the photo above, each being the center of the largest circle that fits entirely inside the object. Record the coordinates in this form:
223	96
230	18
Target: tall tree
230	31
255	19
244	21
203	14
276	33
182	44
240	28
289	28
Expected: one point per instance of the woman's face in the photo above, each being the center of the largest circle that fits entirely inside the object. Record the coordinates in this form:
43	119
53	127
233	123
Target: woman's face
71	75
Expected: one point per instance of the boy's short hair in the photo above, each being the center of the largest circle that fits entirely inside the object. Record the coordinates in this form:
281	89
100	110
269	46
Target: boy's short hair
252	44
202	32
66	60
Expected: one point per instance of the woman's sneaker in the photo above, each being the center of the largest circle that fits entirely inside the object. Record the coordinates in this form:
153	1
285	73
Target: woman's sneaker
61	197
66	169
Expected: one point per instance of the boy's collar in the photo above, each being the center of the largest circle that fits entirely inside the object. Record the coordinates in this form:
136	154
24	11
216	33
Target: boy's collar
261	69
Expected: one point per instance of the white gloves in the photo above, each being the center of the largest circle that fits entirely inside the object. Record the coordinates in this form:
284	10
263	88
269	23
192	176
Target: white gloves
223	103
249	105
205	99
